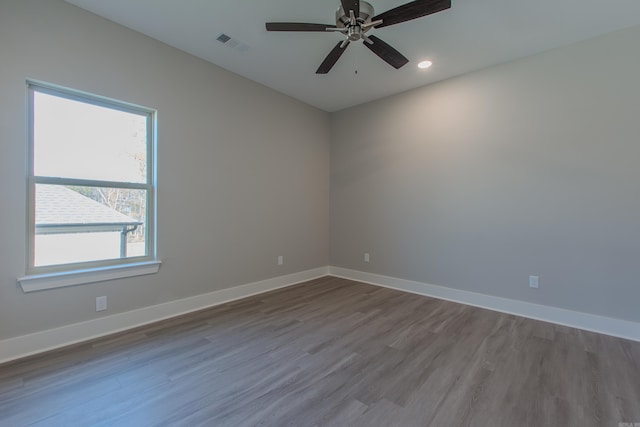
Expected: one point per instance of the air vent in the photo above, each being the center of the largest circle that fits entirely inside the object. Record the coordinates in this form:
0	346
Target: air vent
229	41
223	38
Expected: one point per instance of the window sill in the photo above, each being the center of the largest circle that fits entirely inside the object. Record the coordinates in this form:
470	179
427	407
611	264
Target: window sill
41	282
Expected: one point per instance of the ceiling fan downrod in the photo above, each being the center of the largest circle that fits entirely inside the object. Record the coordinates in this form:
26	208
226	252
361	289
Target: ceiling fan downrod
355	27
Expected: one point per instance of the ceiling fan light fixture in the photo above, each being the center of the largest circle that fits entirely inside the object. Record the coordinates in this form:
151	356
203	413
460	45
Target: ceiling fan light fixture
425	64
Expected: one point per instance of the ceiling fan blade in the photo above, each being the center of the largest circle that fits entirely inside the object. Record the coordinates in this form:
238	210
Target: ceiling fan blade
386	52
412	10
354	5
297	26
332	58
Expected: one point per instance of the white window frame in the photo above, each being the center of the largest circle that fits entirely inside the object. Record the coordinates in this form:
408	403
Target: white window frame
44	277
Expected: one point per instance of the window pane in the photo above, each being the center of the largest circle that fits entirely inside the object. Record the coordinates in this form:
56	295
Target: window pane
78	224
74	139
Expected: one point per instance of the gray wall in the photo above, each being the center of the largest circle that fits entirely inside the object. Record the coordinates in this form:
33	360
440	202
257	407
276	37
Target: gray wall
243	170
527	168
475	183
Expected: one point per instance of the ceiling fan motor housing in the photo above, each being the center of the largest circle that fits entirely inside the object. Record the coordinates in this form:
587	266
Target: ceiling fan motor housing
344	20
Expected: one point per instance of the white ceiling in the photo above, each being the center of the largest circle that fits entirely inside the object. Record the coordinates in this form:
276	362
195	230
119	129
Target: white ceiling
472	35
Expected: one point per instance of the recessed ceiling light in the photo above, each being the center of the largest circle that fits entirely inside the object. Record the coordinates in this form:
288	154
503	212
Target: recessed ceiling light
425	64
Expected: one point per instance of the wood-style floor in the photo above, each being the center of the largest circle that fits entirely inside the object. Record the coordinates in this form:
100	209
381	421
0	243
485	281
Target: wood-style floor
332	352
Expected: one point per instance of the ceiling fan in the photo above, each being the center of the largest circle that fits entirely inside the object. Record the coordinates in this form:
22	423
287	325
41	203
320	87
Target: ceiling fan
356	18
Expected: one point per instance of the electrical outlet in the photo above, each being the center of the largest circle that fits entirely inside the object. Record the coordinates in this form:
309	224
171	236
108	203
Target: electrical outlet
366	257
534	282
101	303
280	260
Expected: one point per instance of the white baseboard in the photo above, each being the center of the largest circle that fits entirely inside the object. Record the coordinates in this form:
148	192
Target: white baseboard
26	345
575	319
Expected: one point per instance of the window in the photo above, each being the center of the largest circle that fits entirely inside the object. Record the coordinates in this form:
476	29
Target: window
91	182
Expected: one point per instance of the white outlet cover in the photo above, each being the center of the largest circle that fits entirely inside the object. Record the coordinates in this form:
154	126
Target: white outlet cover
534	282
101	303
366	257
280	260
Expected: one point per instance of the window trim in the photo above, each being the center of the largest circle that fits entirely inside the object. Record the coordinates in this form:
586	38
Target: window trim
40	282
89	271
